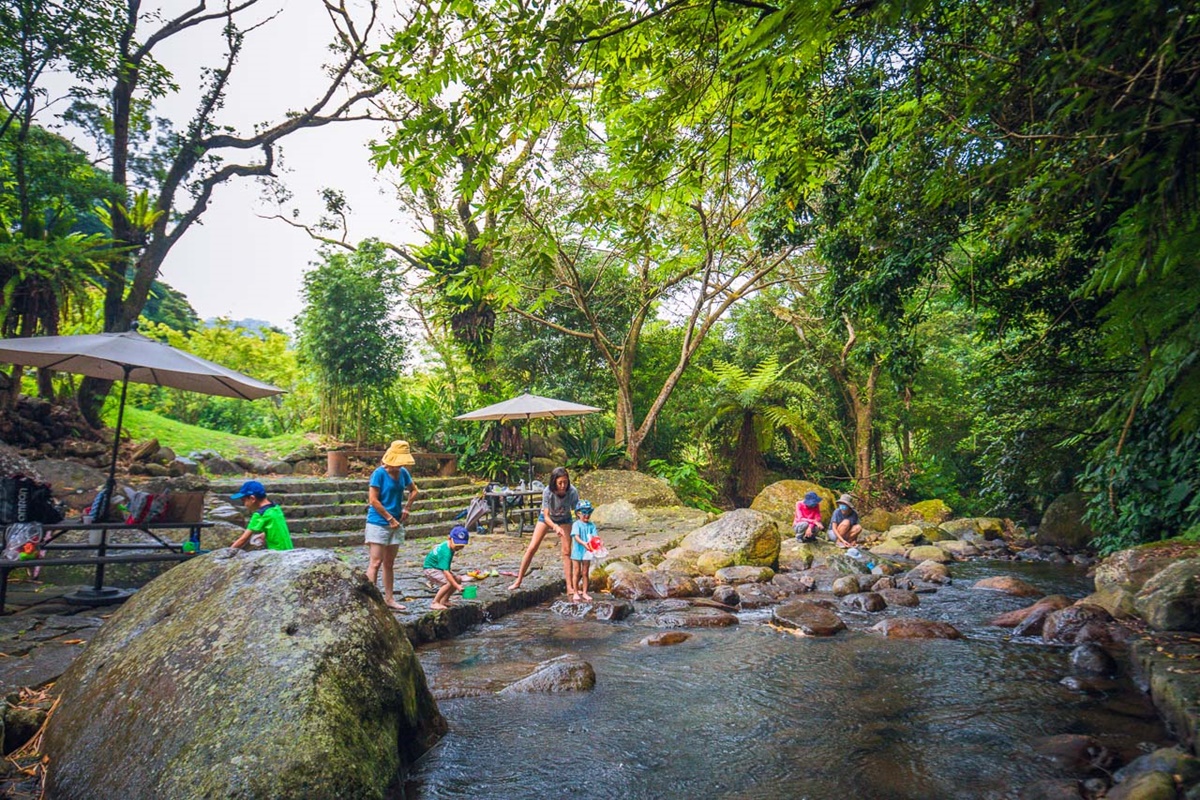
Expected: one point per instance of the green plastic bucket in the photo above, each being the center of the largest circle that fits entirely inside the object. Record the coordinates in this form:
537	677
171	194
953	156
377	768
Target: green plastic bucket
470	592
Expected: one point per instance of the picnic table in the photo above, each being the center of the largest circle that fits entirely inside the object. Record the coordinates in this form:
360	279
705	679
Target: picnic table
514	507
105	553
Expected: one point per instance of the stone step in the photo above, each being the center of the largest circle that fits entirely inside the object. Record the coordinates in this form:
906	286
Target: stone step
444	494
326	539
357	521
358	504
298	485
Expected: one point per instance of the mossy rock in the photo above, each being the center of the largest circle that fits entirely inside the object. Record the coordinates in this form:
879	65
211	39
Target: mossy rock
610	485
1062	524
929	552
780	498
890	547
958	528
710	561
932	510
266	674
906	535
877	519
750	537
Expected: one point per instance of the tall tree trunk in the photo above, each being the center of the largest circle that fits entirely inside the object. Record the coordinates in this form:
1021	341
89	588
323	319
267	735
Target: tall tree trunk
862	402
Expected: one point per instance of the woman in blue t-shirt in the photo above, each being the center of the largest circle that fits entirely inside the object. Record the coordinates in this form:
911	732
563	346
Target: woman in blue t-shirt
387	511
558	503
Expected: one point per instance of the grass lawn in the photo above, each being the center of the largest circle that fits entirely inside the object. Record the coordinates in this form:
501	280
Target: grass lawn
184	438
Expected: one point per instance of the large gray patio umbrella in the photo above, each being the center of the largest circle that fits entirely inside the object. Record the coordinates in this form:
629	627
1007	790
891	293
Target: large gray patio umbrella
129	357
527	407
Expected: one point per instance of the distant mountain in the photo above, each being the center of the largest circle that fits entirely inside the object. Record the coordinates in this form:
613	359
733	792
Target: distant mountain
254	325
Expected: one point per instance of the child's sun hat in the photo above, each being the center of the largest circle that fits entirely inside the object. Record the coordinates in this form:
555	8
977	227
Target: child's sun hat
583	507
812	500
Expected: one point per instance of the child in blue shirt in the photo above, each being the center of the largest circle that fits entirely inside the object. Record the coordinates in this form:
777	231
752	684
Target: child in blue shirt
582	533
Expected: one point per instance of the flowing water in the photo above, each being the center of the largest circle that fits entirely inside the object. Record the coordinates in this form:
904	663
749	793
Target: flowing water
753	712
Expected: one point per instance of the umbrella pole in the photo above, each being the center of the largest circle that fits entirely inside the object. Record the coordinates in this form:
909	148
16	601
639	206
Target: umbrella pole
98	595
111	483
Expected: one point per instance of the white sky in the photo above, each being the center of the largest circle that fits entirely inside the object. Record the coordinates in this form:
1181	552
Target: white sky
234	263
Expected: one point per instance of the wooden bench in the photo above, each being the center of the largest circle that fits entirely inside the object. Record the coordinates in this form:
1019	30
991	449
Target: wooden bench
102	557
439	464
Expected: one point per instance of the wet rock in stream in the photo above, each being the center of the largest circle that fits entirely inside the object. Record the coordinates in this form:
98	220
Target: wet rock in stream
566	673
666	638
912	628
808	618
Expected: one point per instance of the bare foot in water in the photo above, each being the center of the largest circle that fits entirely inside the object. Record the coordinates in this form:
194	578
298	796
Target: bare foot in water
392	604
575	598
438	606
587	597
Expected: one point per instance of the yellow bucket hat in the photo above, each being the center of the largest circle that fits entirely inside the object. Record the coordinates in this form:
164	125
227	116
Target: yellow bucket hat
398	455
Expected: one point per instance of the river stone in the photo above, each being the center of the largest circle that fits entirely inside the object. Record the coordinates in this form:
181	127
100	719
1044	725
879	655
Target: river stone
1062	626
672	584
1012	619
959	550
791	583
912	628
1117	601
613	610
1167	759
1062	524
935	511
617	514
1050	789
711	561
1074	751
755	595
780	498
899	597
632	586
666	638
864	601
889	548
1035	622
877	519
1130	569
905	535
739	575
808	618
796	556
1146	786
929	552
566	673
618	567
751	537
726	595
268	674
1170	601
846	585
958	528
694	617
930	572
1007	584
1092	659
604	486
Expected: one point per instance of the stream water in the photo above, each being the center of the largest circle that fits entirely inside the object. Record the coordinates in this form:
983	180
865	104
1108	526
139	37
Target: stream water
753	712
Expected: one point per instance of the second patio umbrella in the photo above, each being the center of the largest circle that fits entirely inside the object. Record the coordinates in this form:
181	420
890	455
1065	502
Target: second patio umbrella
527	407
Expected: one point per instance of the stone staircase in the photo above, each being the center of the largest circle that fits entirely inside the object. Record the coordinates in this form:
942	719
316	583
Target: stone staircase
331	512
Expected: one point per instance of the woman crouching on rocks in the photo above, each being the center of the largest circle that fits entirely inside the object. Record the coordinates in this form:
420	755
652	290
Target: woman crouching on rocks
558	502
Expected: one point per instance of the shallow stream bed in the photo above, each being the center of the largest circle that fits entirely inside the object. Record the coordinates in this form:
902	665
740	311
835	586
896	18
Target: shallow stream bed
755	712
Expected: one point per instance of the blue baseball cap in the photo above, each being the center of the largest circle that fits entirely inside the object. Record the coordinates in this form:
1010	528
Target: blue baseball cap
459	535
249	488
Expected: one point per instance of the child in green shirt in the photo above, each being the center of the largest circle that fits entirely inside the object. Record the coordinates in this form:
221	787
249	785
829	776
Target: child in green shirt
267	525
437	566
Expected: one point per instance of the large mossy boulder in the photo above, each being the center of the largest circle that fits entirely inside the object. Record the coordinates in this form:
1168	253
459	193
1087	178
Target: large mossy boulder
605	486
1130	569
243	675
905	535
932	510
1063	525
780	498
878	519
1170	601
751	537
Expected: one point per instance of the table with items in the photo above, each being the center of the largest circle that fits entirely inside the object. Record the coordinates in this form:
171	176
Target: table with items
35	553
513	507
